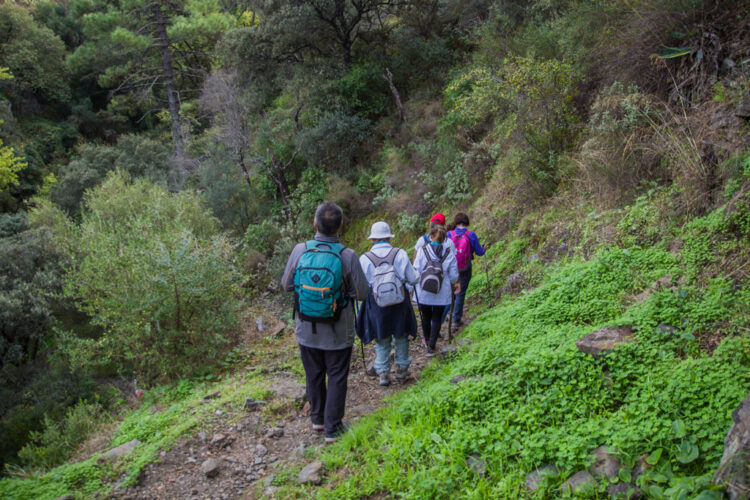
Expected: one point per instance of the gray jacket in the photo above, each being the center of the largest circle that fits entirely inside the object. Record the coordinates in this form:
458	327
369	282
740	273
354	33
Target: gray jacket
339	335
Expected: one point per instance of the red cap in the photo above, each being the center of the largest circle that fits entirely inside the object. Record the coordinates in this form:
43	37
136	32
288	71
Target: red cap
438	218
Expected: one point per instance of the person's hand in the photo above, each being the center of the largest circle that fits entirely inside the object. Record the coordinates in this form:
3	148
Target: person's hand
457	288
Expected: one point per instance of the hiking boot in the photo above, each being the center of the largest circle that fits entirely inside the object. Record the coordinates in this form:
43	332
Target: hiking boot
401	373
336	435
318	427
430	353
384	380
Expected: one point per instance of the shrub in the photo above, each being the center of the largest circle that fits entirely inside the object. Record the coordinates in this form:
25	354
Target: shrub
137	155
30	278
541	114
333	141
153	271
364	90
58	440
619	152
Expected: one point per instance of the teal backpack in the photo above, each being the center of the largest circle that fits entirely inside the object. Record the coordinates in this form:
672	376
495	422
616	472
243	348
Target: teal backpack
318	280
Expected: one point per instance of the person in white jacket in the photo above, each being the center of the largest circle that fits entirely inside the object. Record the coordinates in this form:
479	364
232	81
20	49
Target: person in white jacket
394	322
432	304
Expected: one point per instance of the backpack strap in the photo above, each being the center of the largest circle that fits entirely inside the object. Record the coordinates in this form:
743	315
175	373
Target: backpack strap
389	258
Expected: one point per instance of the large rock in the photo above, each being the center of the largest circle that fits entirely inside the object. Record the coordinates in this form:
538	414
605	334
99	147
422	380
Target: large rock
535	477
578	483
607	339
733	470
606	464
210	467
120	451
311	473
286	387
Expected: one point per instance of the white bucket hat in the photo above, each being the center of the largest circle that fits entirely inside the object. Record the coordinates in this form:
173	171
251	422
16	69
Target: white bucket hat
380	231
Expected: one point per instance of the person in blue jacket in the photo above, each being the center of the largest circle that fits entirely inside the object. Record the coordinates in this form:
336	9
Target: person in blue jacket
467	245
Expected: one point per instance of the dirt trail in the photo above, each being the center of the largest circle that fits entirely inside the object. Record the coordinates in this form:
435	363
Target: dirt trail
247	448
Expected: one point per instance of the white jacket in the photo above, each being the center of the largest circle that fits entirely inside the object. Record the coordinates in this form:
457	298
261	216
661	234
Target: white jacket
450	275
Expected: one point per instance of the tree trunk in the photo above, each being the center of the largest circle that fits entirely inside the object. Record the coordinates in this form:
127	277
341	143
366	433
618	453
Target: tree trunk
245	174
280	179
172	97
389	78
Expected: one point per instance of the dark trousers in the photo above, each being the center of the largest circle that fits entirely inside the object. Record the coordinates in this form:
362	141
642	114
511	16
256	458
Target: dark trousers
326	403
458	306
432	318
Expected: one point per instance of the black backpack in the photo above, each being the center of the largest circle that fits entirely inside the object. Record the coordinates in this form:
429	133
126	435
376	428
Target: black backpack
431	279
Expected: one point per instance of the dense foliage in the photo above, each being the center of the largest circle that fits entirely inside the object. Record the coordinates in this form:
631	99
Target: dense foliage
158	160
150	268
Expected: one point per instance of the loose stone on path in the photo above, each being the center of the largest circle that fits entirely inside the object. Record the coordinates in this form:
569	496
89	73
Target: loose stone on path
311	473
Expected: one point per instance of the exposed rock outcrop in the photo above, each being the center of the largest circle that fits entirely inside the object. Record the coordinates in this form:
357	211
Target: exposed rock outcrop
733	470
605	340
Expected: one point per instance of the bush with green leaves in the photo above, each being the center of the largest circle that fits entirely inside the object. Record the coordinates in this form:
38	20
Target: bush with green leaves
619	152
30	280
332	142
526	99
139	156
364	90
153	271
55	444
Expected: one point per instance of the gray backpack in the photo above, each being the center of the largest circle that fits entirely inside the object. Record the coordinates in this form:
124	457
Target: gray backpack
431	278
387	287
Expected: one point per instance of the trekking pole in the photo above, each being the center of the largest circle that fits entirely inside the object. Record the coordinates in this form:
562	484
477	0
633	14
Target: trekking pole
361	345
419	308
450	318
486	273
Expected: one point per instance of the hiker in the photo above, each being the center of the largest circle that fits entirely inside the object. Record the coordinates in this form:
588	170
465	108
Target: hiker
387	315
436	220
438	273
326	278
467	245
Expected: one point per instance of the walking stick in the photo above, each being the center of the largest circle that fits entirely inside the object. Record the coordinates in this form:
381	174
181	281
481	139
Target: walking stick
361	345
419	308
450	318
486	273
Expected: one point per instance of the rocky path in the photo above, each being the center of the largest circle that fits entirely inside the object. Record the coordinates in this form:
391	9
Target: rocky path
238	454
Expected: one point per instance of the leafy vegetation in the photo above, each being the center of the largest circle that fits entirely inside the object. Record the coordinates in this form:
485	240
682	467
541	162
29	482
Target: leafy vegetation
531	398
159	161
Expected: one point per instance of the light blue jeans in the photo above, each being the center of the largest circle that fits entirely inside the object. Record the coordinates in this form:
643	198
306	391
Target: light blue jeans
383	353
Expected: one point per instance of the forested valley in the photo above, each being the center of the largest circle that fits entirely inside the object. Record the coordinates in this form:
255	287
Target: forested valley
159	159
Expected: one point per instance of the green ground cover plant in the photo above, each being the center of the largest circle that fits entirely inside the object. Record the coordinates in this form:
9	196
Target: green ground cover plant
531	398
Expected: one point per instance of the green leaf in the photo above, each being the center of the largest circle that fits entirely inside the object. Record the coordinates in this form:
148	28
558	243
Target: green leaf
624	475
686	452
654	456
679	428
673	52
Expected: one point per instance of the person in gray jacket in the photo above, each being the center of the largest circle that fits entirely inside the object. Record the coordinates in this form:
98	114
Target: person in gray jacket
326	348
